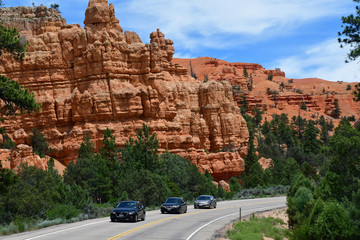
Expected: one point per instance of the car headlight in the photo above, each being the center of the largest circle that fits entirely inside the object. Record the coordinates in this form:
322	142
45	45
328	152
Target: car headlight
131	213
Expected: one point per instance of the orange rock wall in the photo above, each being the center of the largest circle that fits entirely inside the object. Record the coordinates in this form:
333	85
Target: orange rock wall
318	94
97	77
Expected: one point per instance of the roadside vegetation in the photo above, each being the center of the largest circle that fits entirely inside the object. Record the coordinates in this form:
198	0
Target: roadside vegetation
319	163
258	228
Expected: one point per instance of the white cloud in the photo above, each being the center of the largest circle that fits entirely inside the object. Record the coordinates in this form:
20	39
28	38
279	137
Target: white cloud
197	23
324	60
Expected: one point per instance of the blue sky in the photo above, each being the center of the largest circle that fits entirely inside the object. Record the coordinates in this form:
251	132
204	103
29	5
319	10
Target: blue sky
298	36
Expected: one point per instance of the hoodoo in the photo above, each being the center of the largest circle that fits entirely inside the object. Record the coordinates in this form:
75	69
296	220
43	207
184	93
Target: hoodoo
97	77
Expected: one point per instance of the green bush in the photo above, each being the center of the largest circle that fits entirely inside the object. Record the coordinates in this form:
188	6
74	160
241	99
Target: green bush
7	142
39	143
333	223
63	211
302	197
234	185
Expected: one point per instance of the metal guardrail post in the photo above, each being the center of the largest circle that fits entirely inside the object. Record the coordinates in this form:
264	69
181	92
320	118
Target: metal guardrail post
240	214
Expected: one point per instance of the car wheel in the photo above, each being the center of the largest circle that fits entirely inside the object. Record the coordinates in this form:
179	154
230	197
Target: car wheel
195	207
112	219
215	205
162	211
143	218
135	218
185	210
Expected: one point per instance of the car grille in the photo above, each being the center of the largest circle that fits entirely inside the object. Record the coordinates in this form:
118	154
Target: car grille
121	214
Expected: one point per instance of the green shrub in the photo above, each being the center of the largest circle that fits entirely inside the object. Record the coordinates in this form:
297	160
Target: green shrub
221	194
234	185
333	223
48	223
302	197
7	142
63	211
39	143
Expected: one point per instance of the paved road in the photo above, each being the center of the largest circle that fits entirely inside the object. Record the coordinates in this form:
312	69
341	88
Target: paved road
196	224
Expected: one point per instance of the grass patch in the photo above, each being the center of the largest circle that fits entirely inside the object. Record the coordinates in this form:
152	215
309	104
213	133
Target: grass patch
257	228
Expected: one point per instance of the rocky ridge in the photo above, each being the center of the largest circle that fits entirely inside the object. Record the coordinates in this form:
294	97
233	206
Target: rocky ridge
97	77
273	92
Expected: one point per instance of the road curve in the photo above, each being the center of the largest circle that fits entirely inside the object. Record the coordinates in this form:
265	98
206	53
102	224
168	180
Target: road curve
196	224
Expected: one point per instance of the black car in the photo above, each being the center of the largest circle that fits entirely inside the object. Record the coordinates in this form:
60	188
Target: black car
128	210
205	201
174	205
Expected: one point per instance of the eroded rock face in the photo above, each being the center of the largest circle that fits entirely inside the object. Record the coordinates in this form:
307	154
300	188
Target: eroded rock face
265	162
93	78
272	92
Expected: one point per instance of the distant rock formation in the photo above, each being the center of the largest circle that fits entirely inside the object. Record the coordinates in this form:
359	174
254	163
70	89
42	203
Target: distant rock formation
272	92
97	77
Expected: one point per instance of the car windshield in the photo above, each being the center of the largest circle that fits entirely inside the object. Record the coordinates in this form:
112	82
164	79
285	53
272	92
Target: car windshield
204	198
127	205
173	200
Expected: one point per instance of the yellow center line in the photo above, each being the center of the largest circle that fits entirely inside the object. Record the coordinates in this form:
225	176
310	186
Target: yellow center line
186	214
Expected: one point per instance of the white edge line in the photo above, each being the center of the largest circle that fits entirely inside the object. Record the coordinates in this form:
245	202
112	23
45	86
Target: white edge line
67	229
209	223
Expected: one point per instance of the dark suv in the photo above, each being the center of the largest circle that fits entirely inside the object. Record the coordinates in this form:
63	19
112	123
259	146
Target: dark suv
205	201
128	210
174	205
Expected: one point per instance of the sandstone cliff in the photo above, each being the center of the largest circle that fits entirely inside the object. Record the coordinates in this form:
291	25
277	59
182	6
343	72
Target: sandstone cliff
97	77
318	94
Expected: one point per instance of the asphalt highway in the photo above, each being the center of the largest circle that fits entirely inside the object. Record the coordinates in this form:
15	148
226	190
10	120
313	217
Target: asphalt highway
196	224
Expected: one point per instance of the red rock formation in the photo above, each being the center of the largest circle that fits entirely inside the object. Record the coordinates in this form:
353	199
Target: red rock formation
265	162
24	154
318	94
224	185
97	77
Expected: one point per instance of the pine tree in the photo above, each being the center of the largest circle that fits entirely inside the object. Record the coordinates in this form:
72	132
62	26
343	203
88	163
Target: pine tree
324	131
299	123
336	112
245	73
90	172
303	105
39	143
109	151
192	73
11	93
244	104
206	78
141	153
350	34
109	154
281	86
310	141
